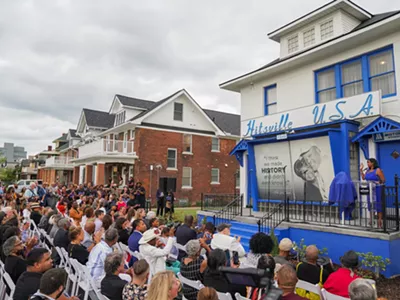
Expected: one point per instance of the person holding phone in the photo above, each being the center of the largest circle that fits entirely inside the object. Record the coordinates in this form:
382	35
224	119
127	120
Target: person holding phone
374	174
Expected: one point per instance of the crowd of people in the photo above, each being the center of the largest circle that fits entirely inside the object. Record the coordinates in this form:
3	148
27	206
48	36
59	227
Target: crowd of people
91	223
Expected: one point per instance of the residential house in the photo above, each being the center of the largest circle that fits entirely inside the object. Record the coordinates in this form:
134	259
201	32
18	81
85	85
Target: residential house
58	165
172	144
328	103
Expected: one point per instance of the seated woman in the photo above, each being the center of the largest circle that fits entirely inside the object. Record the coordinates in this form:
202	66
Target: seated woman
260	244
137	288
192	267
213	277
164	286
122	225
75	249
76	213
15	263
338	282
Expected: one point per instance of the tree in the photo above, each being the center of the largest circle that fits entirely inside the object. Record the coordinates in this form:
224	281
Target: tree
7	175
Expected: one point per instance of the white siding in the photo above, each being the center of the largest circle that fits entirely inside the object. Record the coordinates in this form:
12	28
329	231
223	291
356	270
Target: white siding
192	116
348	22
337	30
296	87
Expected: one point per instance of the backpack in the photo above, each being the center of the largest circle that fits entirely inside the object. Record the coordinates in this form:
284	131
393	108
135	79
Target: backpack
307	294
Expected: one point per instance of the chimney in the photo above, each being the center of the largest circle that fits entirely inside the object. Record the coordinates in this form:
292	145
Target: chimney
49	148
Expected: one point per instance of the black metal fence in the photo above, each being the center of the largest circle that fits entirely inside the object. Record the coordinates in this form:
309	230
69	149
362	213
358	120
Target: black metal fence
230	211
376	208
216	202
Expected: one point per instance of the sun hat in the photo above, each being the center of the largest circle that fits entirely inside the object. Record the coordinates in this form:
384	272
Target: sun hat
35	205
285	244
350	259
148	236
6	209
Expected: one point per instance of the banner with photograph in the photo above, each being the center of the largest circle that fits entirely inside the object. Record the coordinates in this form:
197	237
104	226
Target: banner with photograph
292	166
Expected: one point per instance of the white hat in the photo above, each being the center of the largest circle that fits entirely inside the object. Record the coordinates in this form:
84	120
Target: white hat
148	236
6	209
285	244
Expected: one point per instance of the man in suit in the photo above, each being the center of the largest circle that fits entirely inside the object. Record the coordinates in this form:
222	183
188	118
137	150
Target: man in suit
185	233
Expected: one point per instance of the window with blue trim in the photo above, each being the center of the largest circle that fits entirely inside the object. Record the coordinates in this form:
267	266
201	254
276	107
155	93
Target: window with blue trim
370	72
270	101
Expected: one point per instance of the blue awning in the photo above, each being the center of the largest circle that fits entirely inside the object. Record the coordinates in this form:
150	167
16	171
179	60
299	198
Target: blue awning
380	125
238	151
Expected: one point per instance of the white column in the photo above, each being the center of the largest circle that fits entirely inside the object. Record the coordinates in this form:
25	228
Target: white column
244	178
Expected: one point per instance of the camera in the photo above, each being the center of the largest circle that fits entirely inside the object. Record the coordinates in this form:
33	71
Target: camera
256	278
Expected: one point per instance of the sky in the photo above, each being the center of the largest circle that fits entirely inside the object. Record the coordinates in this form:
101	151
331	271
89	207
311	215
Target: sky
59	56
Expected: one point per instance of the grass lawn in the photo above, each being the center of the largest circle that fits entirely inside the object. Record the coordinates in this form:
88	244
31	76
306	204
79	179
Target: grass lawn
181	212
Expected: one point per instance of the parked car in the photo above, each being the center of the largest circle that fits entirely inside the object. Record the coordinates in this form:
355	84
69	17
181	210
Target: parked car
25	183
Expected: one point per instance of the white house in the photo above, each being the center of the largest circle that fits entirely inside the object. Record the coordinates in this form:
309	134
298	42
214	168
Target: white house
328	102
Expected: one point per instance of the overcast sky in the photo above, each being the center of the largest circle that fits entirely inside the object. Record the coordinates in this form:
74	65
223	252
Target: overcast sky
58	56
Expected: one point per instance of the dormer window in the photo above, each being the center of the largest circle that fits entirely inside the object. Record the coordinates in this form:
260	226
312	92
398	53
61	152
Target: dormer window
326	29
309	37
293	43
120	118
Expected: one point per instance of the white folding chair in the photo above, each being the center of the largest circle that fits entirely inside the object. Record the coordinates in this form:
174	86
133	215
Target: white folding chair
240	297
329	296
84	280
11	286
196	284
313	288
61	256
125	248
224	296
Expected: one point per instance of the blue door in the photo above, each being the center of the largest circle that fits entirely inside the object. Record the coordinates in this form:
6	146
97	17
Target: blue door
389	160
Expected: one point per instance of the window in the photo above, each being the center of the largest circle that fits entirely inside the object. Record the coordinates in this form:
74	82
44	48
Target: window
178	111
215	144
270	100
293	44
381	72
120	118
187	143
186	177
352	83
369	72
171	159
326	88
237	178
214	175
354	158
326	29
309	37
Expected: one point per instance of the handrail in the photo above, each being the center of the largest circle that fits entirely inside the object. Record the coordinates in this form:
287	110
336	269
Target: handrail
230	211
272	219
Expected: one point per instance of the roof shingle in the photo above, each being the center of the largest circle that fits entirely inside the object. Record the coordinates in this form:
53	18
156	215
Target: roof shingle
230	123
135	102
96	118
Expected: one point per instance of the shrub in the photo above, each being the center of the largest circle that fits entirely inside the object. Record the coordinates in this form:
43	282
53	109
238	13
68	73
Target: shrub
275	249
301	250
374	262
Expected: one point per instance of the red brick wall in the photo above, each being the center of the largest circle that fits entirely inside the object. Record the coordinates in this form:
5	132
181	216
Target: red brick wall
151	147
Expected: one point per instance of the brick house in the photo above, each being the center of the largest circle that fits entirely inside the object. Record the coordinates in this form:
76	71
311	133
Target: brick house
169	144
58	161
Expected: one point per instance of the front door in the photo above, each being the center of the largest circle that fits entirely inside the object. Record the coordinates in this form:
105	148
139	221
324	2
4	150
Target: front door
389	160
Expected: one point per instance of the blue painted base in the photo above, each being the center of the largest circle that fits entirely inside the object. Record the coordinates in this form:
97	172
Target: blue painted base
336	243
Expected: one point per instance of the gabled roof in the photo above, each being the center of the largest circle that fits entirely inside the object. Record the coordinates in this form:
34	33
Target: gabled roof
97	118
346	5
72	133
230	123
373	20
62	147
135	102
154	106
62	138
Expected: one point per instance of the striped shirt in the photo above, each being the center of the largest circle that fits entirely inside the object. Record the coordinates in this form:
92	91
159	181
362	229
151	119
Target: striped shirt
96	260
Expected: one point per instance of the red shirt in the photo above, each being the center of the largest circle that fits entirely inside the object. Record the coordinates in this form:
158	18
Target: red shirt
120	204
338	282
